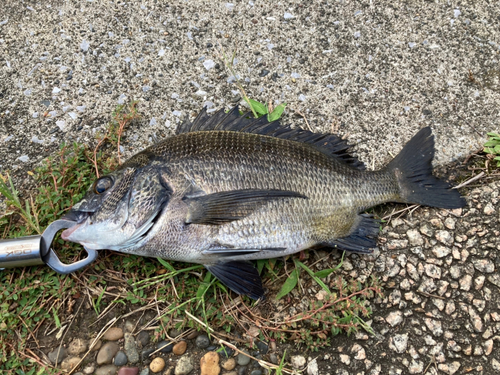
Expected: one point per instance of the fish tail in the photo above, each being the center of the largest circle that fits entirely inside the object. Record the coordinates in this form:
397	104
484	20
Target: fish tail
413	170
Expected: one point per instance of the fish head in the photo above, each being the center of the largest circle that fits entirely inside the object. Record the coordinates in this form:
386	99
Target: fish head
119	209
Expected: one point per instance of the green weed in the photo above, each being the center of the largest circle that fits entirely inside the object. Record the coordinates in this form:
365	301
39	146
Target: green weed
492	147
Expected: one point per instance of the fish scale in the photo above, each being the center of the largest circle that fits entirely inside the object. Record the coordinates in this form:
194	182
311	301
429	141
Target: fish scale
228	189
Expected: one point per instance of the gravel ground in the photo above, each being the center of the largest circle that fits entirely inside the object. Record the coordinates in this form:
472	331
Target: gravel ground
372	72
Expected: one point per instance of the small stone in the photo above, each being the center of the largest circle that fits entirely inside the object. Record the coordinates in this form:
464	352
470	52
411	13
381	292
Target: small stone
226	352
416	367
145	354
484	265
488	346
273	358
242	370
184	366
165	346
263	347
415	237
399	343
344	358
360	352
445	237
69	363
77	346
312	367
107	352
120	359
476	320
434	326
455	272
89	369
174	333
298	362
180	348
106	370
495	364
229	364
129	326
57	355
441	251
113	334
209	364
433	271
256	372
128	371
131	348
489	209
97	345
466	282
468	350
143	337
157	364
202	341
449	369
244	360
144	371
394	318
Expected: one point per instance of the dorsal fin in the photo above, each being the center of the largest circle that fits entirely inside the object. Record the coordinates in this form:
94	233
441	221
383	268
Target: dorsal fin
232	121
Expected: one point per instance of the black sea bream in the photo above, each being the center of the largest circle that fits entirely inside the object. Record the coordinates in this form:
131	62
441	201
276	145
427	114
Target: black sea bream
228	189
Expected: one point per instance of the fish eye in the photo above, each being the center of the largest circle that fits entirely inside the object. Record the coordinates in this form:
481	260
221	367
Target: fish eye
102	184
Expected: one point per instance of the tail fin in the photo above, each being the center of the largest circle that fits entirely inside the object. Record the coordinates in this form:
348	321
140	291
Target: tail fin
413	169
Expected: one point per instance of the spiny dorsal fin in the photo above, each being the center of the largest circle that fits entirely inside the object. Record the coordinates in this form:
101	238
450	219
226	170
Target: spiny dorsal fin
233	121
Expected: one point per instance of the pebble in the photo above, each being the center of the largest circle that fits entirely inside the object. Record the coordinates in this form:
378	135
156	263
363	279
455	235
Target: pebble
484	265
449	369
394	318
166	347
434	326
226	352
113	334
263	347
415	237
106	370
120	359
441	251
297	361
465	282
229	364
312	368
433	271
399	343
495	364
89	369
77	346
107	352
143	338
69	363
180	348
184	365
256	372
344	358
96	346
475	319
145	354
209	364
144	371
157	364
57	355
360	352
273	358
202	341
128	371
242	359
489	209
416	367
242	370
131	348
129	326
174	333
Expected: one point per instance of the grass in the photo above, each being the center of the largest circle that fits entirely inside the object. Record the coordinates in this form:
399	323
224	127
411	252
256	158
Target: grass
492	147
37	300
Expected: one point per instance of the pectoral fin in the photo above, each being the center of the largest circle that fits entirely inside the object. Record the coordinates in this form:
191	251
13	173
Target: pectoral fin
227	206
363	237
240	276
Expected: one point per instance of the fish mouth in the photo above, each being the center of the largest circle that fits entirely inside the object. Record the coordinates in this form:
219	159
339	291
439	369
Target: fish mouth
75	216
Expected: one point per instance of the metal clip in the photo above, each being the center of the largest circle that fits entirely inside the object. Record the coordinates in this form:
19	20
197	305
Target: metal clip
36	250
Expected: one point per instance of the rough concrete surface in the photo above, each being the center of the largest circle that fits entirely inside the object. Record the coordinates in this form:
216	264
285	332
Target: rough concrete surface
376	72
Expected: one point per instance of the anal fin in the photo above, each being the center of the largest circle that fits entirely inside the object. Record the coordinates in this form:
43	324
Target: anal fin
363	237
240	276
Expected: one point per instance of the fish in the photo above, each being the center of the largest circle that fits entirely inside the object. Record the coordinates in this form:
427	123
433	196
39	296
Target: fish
228	188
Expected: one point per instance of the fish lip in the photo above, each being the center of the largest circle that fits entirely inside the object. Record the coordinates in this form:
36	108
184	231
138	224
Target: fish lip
76	216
